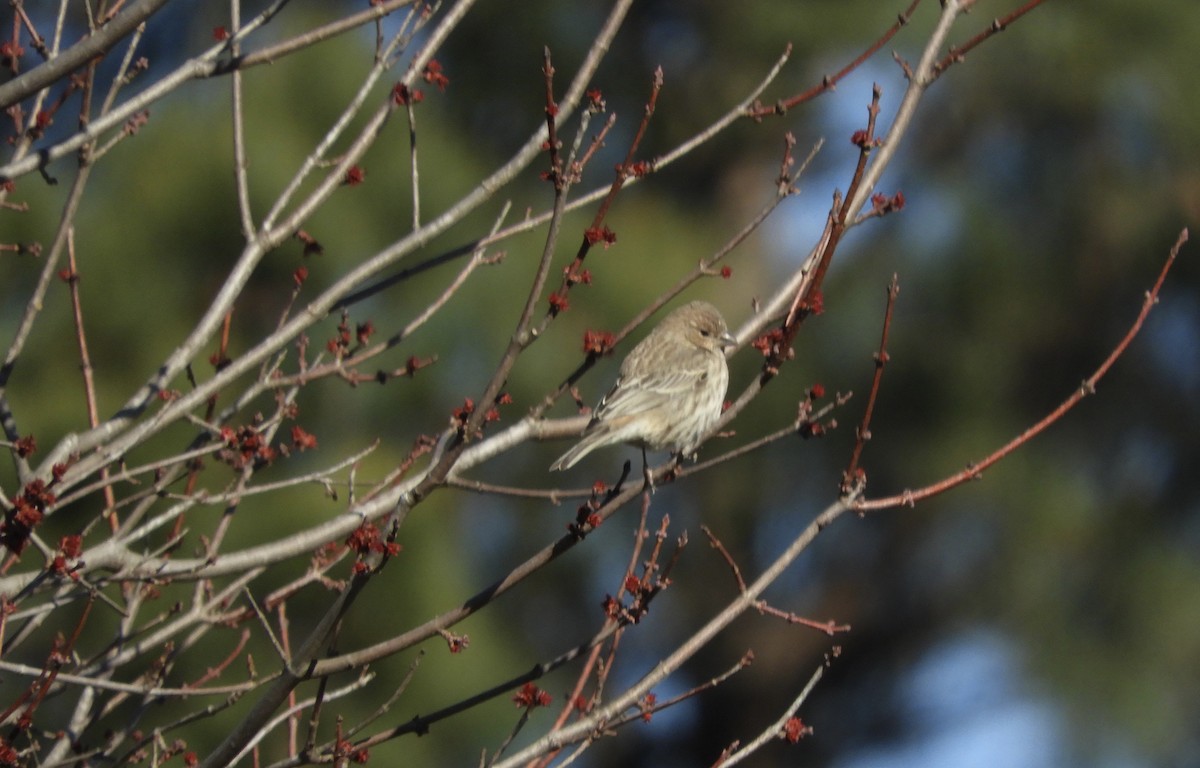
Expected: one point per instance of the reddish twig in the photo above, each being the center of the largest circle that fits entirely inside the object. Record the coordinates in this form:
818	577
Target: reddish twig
649	705
216	670
829	83
85	367
552	142
808	296
219	360
716	544
974	470
36	40
593	146
866	141
828	627
806	424
60	655
959	52
854	476
597	232
785	179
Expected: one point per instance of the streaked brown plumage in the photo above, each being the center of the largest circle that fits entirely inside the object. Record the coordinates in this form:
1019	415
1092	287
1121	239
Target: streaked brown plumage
670	389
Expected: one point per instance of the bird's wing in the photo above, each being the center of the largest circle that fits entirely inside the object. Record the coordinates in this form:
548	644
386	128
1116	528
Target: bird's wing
637	394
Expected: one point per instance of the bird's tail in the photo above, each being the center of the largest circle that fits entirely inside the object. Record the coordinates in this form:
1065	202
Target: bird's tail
577	452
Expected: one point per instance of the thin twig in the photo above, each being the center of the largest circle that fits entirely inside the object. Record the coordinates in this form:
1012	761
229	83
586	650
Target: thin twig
775	729
958	53
851	477
240	163
829	82
85	367
975	469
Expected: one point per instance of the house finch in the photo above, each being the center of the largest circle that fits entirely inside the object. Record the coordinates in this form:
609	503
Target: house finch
669	391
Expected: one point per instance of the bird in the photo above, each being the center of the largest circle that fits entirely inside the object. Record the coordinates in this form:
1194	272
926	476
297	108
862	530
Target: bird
670	389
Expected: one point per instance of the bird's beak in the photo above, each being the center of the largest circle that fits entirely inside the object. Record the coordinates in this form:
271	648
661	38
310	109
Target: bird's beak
727	340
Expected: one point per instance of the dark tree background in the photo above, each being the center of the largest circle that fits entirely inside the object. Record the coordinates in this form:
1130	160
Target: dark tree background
1044	615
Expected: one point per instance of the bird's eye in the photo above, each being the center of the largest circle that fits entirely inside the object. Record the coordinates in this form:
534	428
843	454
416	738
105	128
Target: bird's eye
705	333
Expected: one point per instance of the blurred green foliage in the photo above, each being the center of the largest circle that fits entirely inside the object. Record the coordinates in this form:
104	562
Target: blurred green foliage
1055	165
